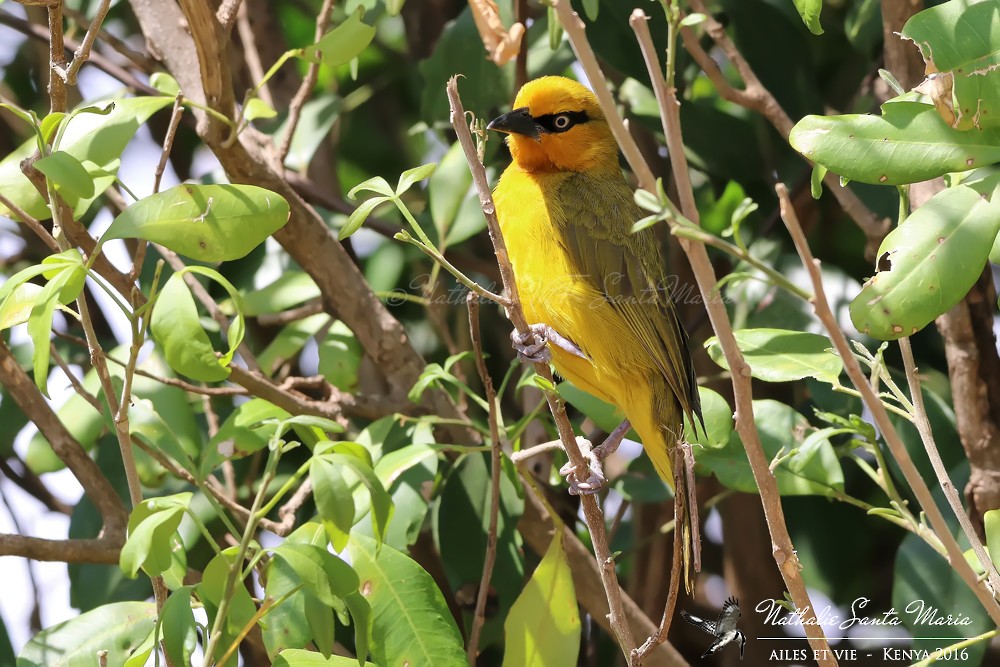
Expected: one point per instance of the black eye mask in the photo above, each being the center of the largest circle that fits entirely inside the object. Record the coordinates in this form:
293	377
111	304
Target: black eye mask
554	123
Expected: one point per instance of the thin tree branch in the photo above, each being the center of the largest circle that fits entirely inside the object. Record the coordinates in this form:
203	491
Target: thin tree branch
82	53
32	223
103	549
496	446
305	90
923	425
91	478
782	548
884	424
758	98
591	509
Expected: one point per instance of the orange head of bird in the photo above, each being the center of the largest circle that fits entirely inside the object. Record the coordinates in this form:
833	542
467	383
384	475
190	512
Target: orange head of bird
557	125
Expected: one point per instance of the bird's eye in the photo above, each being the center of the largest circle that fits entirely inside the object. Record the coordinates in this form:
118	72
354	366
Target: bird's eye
561	122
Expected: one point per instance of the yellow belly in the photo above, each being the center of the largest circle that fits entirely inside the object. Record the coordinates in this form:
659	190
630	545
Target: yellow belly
616	370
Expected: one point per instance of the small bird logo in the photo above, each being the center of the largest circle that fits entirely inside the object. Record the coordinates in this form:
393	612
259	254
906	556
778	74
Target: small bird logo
724	630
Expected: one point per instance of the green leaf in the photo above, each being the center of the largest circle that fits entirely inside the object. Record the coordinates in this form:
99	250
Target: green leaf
247	430
779	355
991	522
591	9
543	627
289	289
117	628
62	287
415	175
816	181
718	418
290	341
455	214
340	356
294	657
411	621
359	215
258	108
959	39
812	469
151	525
317	118
68	175
325	576
381	502
375	184
209	223
180	632
810	10
86	137
342	44
16	308
928	264
241	605
692	20
334	501
164	83
908	143
176	326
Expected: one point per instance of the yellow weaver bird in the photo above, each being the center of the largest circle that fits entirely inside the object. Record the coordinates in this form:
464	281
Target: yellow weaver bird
596	294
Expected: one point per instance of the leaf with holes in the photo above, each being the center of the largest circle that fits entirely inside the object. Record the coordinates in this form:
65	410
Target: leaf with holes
929	263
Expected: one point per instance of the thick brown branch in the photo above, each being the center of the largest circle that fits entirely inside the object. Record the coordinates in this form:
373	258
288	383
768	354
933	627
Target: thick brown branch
100	550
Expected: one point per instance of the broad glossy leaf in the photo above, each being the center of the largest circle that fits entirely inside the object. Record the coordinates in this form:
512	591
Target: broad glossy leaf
117	628
779	355
908	143
344	43
381	503
99	139
813	470
412	623
325	576
68	175
176	326
928	264
543	627
288	625
960	38
210	223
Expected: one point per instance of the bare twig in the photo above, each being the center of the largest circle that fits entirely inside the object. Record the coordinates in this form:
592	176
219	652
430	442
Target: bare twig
82	53
758	98
227	12
591	510
496	446
305	90
881	417
923	425
782	548
57	59
73	380
680	501
537	525
141	60
168	141
97	487
32	223
33	485
574	28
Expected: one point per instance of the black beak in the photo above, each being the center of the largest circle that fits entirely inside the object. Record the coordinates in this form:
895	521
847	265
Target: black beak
518	121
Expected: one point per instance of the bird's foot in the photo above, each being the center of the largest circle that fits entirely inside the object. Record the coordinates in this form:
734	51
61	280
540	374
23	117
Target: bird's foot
595	479
595	462
533	345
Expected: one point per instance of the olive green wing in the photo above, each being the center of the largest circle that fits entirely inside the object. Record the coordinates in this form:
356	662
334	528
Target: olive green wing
595	217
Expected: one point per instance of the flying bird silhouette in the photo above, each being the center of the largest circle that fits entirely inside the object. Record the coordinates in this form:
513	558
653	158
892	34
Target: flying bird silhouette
724	630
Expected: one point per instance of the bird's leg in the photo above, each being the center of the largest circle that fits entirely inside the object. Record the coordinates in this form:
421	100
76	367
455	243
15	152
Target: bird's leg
532	346
595	463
